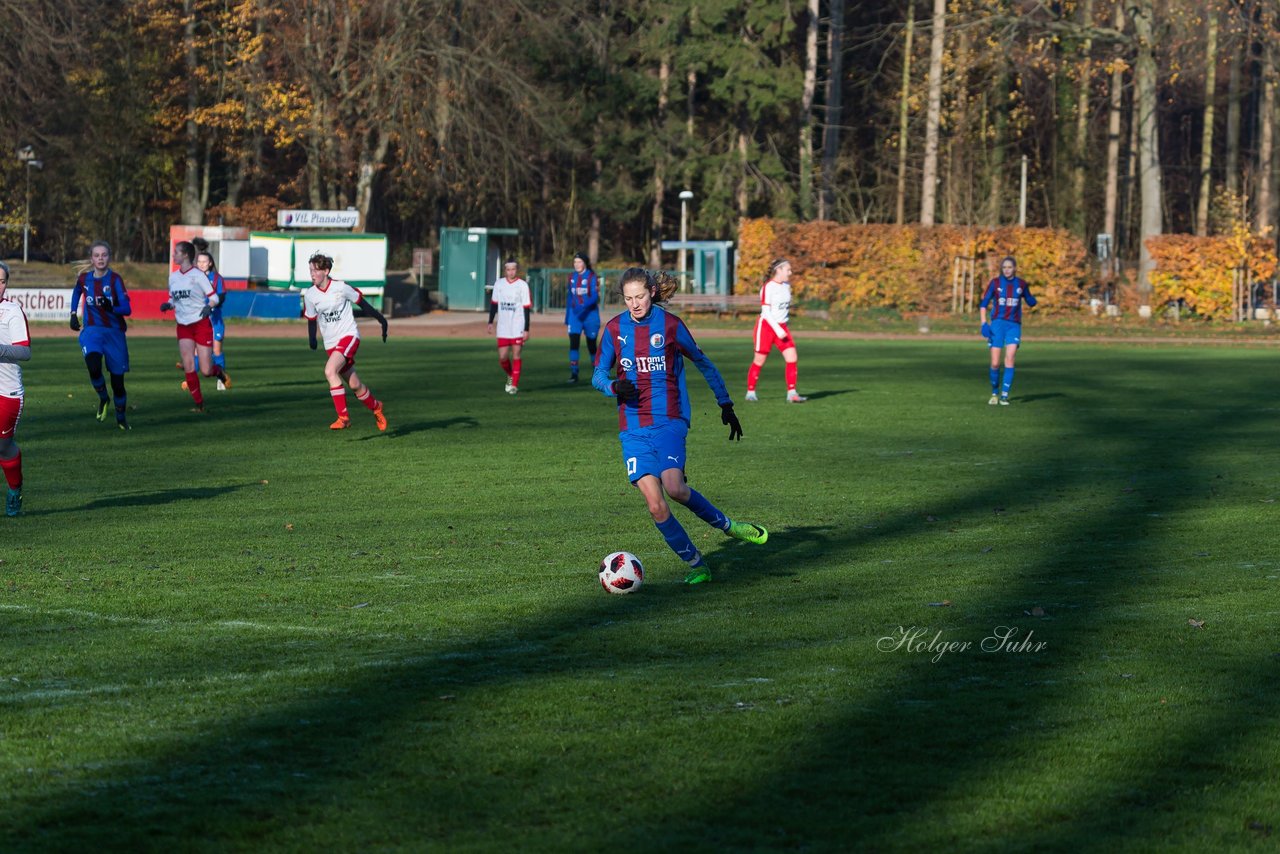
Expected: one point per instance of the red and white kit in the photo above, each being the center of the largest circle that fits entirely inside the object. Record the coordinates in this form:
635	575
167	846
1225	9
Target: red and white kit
775	309
13	331
511	297
331	309
189	292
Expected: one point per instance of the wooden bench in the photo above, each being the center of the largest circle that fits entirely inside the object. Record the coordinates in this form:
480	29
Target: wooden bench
719	303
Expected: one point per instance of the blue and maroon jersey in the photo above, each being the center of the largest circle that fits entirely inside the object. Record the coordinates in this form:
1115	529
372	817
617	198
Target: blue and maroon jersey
219	288
583	295
651	353
1006	296
106	302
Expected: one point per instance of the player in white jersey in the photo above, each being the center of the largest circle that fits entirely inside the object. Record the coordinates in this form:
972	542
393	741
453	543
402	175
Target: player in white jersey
327	304
511	305
15	347
192	299
771	330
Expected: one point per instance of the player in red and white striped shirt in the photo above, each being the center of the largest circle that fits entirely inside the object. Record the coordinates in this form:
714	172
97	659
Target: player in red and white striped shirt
15	347
771	330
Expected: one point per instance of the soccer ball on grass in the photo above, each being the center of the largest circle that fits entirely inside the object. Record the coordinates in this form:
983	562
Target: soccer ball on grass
621	572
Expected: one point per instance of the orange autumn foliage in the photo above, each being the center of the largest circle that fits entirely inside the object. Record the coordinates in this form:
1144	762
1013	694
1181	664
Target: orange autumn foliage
907	267
1199	271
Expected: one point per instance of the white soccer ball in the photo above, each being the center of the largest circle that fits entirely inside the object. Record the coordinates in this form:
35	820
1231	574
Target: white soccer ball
621	572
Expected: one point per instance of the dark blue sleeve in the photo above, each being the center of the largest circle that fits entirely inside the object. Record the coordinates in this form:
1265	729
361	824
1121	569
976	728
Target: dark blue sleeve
605	358
568	300
122	305
689	348
76	293
593	290
1026	294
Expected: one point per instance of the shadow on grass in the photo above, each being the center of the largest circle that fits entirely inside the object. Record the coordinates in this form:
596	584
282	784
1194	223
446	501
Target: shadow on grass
150	499
1032	398
893	768
399	431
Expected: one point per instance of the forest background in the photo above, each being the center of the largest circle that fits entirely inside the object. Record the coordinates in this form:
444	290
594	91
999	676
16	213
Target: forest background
580	122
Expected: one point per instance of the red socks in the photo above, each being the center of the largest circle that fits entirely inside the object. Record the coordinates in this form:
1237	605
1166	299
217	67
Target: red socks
193	386
340	400
366	397
753	375
506	366
515	372
791	376
13	470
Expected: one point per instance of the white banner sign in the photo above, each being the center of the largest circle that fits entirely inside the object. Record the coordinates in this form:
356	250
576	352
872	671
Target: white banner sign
318	219
42	303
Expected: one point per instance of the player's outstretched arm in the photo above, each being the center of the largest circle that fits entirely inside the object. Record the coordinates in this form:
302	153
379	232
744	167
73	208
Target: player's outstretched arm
370	311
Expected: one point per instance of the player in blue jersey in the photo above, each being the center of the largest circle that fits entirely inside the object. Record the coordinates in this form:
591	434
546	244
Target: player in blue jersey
102	334
645	347
582	311
1005	294
205	264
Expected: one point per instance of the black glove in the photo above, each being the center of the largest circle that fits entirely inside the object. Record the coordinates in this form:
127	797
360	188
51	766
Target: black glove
205	311
166	306
626	391
384	332
728	417
312	342
75	323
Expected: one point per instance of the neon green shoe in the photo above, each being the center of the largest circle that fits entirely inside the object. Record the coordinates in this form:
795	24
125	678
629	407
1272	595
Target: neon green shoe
698	574
102	408
747	531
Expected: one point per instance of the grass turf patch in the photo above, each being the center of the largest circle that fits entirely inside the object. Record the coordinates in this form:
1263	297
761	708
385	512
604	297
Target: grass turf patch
242	630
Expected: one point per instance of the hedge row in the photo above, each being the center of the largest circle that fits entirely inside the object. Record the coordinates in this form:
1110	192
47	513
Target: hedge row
1199	272
909	268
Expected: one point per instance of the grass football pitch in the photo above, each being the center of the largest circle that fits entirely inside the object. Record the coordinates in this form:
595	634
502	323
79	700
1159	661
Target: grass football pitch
1045	626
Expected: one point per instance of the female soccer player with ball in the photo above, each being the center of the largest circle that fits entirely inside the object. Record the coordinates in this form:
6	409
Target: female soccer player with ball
645	347
15	347
771	330
1005	294
328	303
510	306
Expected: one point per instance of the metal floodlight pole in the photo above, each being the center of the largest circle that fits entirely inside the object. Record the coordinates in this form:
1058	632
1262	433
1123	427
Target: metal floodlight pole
685	196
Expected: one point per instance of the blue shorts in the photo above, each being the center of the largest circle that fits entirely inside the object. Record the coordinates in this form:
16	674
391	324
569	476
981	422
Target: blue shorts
219	328
1005	333
589	323
110	343
653	450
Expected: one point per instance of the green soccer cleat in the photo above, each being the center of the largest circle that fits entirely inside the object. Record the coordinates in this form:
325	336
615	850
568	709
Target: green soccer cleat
698	574
748	532
103	405
13	503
